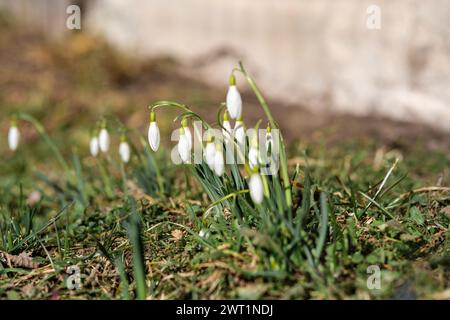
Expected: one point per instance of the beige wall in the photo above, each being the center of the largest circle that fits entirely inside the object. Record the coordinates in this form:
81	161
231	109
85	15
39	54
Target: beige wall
315	53
46	15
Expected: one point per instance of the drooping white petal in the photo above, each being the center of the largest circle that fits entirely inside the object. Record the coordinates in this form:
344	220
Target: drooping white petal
183	148
93	146
103	140
256	188
203	233
153	136
253	157
274	164
188	134
234	102
227	131
239	133
210	151
219	164
13	138
124	151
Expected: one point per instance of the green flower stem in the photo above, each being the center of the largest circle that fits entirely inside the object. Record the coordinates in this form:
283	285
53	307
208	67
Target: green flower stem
273	124
168	103
105	177
159	178
40	129
191	114
124	178
215	203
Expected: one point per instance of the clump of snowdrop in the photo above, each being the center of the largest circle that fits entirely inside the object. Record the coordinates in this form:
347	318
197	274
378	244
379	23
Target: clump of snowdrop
153	133
234	101
13	136
221	150
103	138
245	193
124	149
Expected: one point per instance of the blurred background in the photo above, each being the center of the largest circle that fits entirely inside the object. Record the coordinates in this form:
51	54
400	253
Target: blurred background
350	68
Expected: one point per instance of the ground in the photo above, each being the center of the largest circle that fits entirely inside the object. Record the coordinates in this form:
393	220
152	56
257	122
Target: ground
69	84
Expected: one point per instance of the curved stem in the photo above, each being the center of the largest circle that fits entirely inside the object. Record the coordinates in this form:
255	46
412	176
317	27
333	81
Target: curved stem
215	203
168	103
40	129
159	177
193	115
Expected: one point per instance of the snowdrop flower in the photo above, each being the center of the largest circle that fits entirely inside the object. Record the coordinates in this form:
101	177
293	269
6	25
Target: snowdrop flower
13	136
153	133
187	132
226	130
234	101
239	132
103	138
253	153
183	146
209	153
203	233
253	156
272	156
256	188
124	150
227	133
93	145
219	164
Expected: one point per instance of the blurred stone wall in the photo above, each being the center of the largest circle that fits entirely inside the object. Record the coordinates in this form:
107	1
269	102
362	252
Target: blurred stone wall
319	54
315	53
49	16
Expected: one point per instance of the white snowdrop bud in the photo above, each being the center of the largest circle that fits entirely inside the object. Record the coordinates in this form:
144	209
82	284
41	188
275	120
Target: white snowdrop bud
239	132
124	151
253	156
103	138
234	101
187	132
153	133
93	146
13	137
209	153
219	164
183	146
203	233
256	188
226	130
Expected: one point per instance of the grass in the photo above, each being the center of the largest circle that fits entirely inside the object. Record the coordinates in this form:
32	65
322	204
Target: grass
153	230
141	243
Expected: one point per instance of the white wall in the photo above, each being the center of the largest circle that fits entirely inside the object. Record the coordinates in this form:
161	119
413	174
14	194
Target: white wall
48	16
316	53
